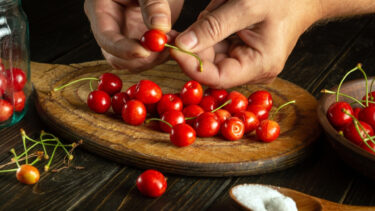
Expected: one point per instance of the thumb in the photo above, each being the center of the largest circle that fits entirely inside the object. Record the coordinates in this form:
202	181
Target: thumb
156	14
218	24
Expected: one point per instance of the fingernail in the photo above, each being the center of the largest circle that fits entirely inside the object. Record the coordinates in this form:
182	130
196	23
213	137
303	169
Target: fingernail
159	21
188	40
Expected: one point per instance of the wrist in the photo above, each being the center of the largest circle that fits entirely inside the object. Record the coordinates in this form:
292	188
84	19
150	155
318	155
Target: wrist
345	8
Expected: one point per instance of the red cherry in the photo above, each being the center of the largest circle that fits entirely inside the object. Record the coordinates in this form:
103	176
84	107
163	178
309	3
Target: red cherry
365	147
191	93
259	111
337	117
99	101
110	83
262	98
3	84
151	108
154	40
182	135
173	117
18	77
250	120
351	133
118	102
27	174
148	92
368	115
134	112
232	129
371	97
207	124
222	115
169	102
131	91
356	112
152	183
208	103
6	110
19	100
219	94
268	130
239	102
192	111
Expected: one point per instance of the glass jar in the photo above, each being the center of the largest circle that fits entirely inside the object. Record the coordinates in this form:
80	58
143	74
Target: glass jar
15	85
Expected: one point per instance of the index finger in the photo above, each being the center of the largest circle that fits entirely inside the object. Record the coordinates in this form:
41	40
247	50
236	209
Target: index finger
106	19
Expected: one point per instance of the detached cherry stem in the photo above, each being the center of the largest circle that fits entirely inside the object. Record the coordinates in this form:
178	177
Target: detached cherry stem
280	107
75	81
15	157
187	52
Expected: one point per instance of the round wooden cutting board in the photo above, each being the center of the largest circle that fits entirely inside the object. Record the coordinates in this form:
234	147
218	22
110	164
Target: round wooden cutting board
144	146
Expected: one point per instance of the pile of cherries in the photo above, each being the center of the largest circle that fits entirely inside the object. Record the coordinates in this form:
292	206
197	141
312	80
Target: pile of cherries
191	112
357	124
12	97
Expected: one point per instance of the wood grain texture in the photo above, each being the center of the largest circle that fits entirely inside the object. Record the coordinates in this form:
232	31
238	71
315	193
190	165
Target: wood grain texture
145	147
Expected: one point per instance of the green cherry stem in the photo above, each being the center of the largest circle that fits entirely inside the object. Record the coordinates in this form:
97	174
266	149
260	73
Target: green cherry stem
160	120
342	81
73	82
70	156
46	156
366	81
35	161
8	170
187	52
326	91
280	107
222	106
25	150
15	157
46	167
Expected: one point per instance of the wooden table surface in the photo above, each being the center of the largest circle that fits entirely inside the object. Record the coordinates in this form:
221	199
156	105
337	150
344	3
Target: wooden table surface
60	33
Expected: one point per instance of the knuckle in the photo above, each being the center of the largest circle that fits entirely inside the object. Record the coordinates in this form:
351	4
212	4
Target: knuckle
154	4
213	26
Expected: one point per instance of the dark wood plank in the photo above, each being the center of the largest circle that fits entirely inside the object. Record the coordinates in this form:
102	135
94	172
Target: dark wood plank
56	27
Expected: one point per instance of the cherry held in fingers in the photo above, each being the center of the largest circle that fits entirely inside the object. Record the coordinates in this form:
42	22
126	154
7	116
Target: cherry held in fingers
99	101
27	174
156	40
152	183
134	112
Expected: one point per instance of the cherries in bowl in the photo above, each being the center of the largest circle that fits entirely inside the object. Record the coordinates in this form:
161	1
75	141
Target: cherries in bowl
357	155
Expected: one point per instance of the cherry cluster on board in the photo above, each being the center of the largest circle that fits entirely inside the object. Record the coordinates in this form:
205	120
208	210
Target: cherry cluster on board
191	112
12	97
356	123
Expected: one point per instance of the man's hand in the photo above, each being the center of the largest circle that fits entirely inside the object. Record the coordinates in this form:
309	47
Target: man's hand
242	41
118	24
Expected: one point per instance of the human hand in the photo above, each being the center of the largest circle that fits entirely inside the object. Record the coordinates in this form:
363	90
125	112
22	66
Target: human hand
242	41
117	26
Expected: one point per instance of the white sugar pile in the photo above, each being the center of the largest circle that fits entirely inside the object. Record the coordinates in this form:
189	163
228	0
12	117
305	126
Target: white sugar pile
262	198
